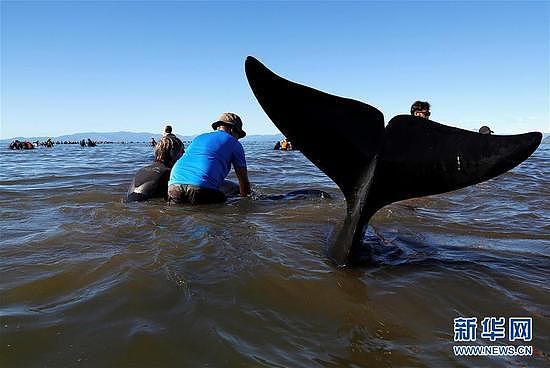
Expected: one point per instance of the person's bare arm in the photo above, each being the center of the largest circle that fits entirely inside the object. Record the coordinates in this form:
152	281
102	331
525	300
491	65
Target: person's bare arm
244	183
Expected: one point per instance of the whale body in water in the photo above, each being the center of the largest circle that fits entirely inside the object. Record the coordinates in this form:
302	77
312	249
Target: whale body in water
375	165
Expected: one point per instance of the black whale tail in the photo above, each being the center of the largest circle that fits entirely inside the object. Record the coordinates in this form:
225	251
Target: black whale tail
375	166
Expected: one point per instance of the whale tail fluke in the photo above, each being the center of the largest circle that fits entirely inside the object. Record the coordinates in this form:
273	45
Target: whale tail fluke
375	166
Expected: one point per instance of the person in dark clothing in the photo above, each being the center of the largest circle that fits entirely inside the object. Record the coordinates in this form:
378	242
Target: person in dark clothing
421	109
152	180
168	133
15	145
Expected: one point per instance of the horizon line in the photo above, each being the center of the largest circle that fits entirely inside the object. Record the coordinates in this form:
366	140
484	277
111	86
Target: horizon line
119	132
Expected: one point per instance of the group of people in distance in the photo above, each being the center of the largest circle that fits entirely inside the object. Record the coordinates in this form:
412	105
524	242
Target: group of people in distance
21	145
422	110
26	145
49	143
195	176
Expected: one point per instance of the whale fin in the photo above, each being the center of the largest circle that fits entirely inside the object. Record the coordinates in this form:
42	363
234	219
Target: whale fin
373	166
319	123
421	157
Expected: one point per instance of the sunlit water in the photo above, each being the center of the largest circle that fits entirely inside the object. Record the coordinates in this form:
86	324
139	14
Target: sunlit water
86	280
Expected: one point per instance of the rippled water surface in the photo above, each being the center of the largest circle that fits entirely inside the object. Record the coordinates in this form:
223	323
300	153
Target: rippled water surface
86	280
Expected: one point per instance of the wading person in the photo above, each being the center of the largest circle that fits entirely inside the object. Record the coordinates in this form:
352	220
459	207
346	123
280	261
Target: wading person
421	109
198	177
152	181
485	130
168	133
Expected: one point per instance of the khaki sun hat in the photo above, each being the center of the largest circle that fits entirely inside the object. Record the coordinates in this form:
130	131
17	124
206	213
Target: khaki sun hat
229	118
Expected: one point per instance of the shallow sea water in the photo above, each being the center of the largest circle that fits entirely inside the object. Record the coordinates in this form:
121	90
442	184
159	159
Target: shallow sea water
86	280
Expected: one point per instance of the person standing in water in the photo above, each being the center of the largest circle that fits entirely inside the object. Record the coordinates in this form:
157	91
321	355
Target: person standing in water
198	177
168	133
485	130
421	109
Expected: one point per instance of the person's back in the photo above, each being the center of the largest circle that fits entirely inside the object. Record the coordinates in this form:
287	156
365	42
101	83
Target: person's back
198	176
168	133
208	160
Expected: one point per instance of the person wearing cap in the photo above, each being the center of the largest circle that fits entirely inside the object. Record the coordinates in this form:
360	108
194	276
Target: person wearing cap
485	130
197	178
152	180
421	109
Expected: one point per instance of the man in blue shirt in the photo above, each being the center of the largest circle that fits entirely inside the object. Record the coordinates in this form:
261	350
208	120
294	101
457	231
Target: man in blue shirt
197	176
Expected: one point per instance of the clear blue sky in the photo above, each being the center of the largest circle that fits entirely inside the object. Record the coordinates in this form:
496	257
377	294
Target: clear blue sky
76	66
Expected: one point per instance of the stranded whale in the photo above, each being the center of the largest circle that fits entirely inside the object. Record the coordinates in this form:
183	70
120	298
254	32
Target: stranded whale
375	165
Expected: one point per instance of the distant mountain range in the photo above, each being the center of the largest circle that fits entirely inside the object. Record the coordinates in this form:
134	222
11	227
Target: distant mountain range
129	137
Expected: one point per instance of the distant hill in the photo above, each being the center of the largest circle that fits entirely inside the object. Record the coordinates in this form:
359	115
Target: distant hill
129	137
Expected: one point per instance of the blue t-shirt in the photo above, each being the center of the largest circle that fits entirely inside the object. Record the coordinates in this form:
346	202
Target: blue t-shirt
207	160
